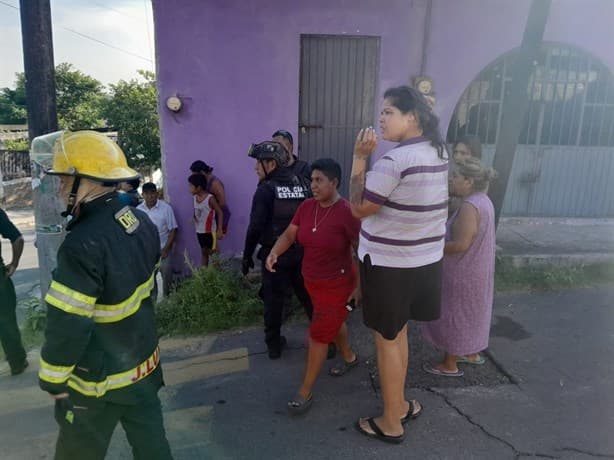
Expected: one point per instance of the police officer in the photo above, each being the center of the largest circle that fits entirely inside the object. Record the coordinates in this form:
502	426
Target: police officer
9	332
299	167
100	360
275	201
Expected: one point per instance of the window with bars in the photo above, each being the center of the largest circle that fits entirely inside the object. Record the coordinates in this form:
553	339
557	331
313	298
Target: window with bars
571	101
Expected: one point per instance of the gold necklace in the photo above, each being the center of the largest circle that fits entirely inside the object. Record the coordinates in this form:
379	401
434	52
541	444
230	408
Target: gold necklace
315	218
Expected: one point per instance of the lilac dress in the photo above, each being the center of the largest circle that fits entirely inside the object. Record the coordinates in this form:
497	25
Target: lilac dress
467	288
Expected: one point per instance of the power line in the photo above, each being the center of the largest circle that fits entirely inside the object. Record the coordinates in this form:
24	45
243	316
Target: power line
106	44
90	38
102	5
9	5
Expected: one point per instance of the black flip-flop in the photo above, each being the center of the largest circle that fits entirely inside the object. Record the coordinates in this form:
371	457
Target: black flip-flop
379	434
300	405
411	415
343	367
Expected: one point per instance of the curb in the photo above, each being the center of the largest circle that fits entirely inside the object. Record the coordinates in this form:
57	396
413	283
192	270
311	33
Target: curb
557	260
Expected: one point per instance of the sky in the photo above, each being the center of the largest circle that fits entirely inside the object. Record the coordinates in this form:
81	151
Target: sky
124	26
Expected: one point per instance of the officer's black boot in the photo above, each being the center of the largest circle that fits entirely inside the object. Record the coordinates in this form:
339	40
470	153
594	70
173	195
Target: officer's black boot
20	368
276	349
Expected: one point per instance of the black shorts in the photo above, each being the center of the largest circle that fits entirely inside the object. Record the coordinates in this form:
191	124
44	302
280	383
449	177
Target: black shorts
205	240
393	296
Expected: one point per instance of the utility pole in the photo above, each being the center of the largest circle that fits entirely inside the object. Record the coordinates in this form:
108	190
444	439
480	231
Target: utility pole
39	69
517	101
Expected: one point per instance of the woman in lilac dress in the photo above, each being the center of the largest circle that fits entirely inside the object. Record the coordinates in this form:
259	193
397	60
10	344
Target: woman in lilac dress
468	273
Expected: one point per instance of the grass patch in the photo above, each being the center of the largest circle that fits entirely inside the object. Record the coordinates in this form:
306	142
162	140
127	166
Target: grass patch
510	278
33	329
212	299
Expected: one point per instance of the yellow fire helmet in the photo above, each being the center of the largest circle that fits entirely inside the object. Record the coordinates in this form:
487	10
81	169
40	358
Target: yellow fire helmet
92	155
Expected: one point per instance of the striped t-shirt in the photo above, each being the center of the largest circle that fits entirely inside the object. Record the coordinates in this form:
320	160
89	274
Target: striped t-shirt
411	184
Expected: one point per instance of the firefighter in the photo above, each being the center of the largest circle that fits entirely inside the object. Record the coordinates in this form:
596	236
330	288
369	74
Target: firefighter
100	360
275	201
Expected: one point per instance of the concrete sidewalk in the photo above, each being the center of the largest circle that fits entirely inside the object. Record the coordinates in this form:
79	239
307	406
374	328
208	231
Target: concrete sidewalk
23	218
556	241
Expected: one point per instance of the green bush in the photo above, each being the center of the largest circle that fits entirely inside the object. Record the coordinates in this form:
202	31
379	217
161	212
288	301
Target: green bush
22	144
33	329
212	299
36	316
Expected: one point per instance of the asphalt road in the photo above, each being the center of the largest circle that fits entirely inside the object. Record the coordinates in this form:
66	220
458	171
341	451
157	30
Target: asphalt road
226	400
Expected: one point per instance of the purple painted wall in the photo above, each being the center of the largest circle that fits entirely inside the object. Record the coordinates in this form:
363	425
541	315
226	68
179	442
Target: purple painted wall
235	64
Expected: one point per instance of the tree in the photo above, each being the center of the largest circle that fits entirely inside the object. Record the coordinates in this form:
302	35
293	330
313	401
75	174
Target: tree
132	110
13	103
80	100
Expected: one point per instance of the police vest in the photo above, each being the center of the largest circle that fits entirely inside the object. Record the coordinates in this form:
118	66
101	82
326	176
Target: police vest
288	197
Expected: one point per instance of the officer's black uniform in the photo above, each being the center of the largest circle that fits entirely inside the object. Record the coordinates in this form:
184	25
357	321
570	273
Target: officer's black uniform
276	200
101	343
9	332
301	169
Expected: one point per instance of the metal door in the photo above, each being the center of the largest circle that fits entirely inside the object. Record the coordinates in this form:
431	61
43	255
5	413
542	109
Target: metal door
338	81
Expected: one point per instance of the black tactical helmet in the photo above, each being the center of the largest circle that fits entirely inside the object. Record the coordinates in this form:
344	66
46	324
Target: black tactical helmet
269	150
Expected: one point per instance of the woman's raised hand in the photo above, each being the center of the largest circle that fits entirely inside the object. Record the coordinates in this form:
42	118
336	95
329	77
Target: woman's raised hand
271	260
365	144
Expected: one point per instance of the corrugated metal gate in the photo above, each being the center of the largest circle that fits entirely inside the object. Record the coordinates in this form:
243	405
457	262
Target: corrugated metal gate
559	181
337	95
564	165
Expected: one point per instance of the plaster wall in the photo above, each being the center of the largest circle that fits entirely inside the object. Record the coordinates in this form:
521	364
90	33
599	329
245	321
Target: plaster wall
235	65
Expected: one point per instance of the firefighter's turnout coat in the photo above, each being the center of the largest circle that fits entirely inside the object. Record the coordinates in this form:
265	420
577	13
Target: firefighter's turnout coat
100	339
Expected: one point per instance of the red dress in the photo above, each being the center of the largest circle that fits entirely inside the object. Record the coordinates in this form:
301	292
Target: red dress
327	235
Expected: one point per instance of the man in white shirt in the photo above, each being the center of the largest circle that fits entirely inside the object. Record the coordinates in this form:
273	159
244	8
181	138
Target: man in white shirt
161	214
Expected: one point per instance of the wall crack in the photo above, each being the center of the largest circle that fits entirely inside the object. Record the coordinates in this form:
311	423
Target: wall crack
585	452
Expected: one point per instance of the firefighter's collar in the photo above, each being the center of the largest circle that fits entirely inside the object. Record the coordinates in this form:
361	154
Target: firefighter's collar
86	208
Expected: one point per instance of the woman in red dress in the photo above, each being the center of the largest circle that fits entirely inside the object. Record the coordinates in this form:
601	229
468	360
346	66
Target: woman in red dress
328	232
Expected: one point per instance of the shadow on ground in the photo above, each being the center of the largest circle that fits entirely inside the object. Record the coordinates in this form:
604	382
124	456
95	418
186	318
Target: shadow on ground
489	374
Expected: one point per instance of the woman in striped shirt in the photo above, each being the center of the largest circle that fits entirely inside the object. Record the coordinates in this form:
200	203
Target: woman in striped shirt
403	205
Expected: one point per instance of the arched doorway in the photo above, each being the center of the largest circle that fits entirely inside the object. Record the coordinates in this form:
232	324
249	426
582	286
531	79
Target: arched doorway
565	159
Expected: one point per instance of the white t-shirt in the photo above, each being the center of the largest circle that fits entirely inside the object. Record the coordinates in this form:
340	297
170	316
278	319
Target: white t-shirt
162	216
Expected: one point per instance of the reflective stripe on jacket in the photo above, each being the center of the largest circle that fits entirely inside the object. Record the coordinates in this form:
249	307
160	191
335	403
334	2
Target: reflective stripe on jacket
64	375
71	301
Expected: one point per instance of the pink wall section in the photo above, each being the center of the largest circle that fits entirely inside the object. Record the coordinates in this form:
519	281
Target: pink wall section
468	35
235	64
